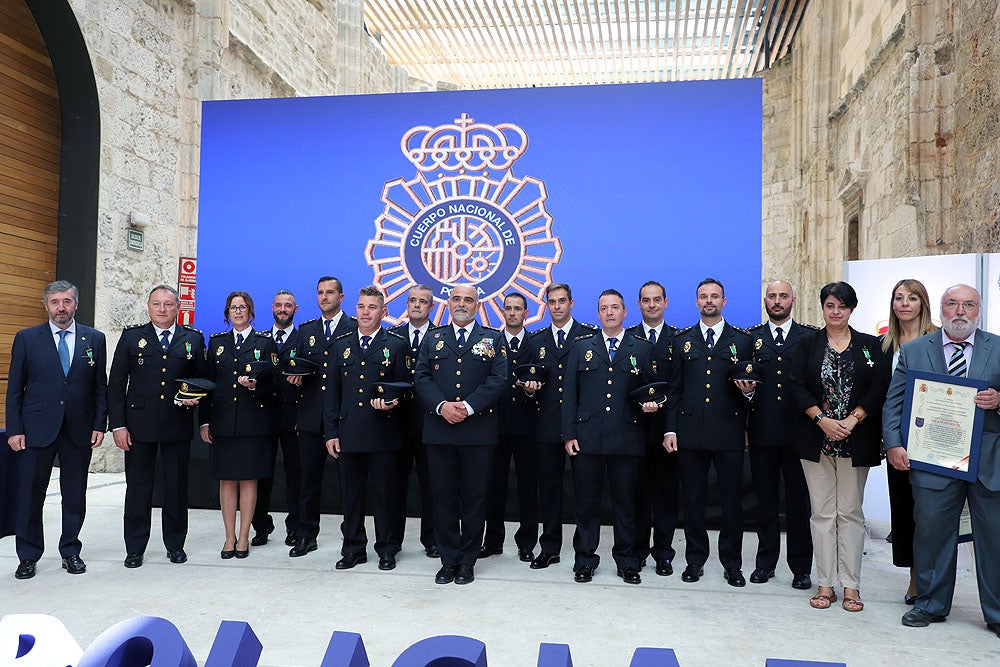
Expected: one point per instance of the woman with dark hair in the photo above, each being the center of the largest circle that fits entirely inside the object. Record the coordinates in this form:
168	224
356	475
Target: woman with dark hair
909	319
839	379
236	422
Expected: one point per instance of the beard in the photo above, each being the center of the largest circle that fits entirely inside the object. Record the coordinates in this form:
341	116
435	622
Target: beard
959	328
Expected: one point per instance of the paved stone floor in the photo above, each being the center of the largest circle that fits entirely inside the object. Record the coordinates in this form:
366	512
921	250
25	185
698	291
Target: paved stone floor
294	605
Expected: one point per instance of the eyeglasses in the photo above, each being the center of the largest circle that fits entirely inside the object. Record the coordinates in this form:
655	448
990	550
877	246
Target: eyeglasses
951	304
237	309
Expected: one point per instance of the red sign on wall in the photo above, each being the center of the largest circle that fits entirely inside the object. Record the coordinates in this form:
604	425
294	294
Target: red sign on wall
187	272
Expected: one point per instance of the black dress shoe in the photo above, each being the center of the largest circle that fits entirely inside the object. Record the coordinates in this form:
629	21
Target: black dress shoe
664	568
802	582
176	556
735	577
525	555
543	560
464	575
445	575
583	574
291	538
260	537
302	547
994	627
918	618
760	576
630	575
226	554
909	599
432	552
25	569
692	573
74	565
387	562
133	561
350	560
242	553
486	552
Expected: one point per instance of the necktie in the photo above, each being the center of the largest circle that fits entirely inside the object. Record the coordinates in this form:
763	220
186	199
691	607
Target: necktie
780	338
514	344
612	347
64	352
165	339
957	365
365	341
239	340
327	323
561	340
461	338
416	339
710	338
652	336
279	338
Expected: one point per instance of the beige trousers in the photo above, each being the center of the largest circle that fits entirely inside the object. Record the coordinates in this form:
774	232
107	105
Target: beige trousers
836	492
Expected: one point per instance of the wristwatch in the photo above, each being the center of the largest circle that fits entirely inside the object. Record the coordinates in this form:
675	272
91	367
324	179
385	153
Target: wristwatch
818	417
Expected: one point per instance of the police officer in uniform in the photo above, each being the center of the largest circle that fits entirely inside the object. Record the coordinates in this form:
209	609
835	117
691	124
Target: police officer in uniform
657	501
461	374
604	434
364	431
146	420
517	440
773	457
419	302
550	348
286	403
706	426
316	339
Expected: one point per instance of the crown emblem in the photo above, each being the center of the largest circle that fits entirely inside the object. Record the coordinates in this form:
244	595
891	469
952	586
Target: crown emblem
464	145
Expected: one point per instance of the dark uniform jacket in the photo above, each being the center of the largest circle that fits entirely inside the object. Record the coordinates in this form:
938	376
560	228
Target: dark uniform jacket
413	409
349	414
544	351
476	374
773	414
705	409
234	410
662	352
597	410
141	386
286	394
313	346
40	397
518	411
868	389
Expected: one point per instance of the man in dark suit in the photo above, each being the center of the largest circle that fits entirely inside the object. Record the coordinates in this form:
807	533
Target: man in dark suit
773	456
959	349
364	431
419	302
604	434
706	426
146	420
57	403
315	344
550	348
517	440
286	403
658	488
461	374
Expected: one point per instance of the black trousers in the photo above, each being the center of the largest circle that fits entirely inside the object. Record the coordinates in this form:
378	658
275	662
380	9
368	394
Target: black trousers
657	503
520	448
355	469
768	467
140	473
693	465
589	471
459	475
414	455
312	462
551	471
288	442
35	470
901	516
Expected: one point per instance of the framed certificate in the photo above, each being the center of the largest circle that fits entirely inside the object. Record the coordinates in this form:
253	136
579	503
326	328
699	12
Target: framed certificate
942	429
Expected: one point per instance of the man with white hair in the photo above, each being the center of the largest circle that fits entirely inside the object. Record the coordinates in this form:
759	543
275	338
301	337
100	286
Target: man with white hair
961	349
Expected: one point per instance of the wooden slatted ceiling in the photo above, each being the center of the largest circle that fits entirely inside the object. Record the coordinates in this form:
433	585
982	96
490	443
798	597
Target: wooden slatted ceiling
520	43
30	138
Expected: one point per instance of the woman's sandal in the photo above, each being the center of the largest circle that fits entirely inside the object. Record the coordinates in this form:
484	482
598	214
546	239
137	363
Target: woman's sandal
852	604
822	601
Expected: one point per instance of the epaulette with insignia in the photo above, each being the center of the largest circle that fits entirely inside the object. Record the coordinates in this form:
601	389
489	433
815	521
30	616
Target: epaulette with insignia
539	331
191	328
585	336
221	333
742	331
757	326
642	338
490	328
345	335
315	319
133	326
396	335
810	326
685	329
588	325
265	334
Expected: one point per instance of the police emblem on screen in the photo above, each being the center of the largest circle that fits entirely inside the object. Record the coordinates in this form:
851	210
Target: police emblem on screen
464	218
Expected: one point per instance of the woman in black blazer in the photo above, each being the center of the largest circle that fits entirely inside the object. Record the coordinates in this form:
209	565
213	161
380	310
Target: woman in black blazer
839	378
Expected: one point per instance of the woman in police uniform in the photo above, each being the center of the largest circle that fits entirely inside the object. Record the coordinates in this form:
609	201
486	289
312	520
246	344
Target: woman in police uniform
237	421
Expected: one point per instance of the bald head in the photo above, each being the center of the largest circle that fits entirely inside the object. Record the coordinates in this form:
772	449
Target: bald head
779	297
